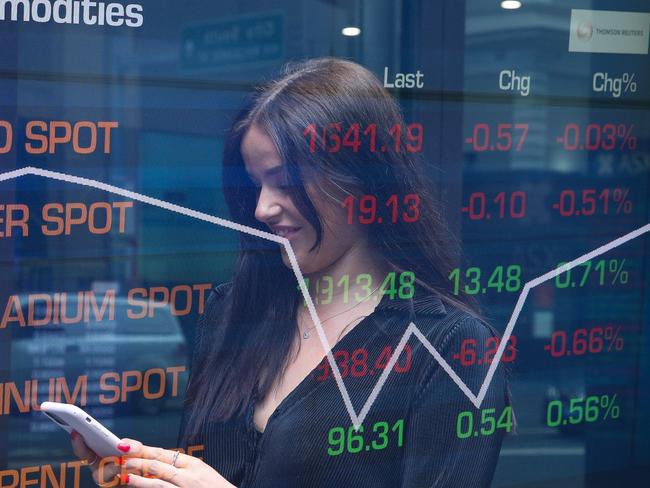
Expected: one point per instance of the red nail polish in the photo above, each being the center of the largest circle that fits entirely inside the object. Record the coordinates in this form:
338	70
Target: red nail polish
123	447
122	460
125	479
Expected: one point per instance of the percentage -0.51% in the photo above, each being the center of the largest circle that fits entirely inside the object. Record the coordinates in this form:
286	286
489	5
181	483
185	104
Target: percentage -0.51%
591	201
582	410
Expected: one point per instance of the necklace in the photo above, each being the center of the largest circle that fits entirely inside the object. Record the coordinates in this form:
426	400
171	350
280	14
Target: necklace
307	332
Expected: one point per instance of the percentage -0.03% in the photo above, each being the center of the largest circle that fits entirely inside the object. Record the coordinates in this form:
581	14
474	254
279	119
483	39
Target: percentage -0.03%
598	137
582	410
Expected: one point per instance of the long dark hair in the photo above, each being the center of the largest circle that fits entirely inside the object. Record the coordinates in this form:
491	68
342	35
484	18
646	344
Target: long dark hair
261	313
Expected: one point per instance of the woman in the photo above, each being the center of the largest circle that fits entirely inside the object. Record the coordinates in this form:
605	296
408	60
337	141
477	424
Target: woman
262	397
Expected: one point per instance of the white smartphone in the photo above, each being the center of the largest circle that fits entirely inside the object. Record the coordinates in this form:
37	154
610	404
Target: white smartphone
95	435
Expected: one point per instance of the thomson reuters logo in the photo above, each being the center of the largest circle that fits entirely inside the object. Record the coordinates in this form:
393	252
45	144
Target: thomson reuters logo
585	30
72	12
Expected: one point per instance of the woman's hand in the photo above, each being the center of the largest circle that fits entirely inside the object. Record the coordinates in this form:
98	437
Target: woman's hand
104	470
153	467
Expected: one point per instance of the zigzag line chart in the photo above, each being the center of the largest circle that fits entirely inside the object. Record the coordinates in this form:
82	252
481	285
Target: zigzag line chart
412	329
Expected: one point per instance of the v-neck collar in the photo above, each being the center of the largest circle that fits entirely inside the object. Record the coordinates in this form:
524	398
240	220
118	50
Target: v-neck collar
383	318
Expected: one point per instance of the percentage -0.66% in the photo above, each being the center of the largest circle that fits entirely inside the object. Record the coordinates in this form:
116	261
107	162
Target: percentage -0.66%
594	340
582	410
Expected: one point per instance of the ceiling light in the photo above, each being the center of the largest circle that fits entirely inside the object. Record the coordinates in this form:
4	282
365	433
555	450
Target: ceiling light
351	31
510	4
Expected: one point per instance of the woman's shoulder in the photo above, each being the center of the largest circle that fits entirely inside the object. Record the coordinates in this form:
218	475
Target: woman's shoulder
210	322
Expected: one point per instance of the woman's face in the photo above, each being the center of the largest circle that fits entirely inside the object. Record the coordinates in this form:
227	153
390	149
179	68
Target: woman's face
276	209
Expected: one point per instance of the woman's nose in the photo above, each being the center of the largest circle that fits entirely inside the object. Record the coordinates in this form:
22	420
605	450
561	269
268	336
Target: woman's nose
268	207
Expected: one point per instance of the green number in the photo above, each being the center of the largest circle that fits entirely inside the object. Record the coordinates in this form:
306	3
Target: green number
336	436
400	436
306	280
557	406
345	281
575	407
390	282
470	425
382	435
586	275
476	281
513	280
487	416
496	279
455	277
367	287
505	419
355	441
406	288
591	410
600	267
563	280
327	290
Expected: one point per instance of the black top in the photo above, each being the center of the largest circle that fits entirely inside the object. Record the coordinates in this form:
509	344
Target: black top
410	436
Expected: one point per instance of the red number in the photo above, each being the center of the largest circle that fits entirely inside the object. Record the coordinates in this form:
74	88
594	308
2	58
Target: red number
372	130
503	131
588	199
523	135
396	132
399	368
351	138
368	206
383	358
511	350
596	340
414	132
413	206
580	341
325	366
393	201
343	365
485	129
349	203
467	353
359	361
489	354
333	137
311	131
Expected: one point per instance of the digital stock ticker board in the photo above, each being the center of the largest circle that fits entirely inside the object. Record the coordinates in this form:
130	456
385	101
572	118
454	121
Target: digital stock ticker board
325	243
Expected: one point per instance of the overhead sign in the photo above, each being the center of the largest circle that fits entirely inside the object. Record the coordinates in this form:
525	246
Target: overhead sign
233	41
609	31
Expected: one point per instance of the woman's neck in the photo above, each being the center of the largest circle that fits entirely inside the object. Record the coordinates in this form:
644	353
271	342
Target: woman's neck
348	280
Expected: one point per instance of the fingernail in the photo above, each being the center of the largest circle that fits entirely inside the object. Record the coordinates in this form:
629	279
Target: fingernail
125	479
124	447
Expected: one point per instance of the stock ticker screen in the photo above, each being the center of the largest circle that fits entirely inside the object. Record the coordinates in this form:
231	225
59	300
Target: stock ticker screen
476	173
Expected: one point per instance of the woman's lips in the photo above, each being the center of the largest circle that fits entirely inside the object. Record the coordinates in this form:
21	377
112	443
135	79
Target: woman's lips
286	231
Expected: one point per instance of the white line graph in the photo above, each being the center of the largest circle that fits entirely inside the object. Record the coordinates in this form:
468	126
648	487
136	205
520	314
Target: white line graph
412	329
